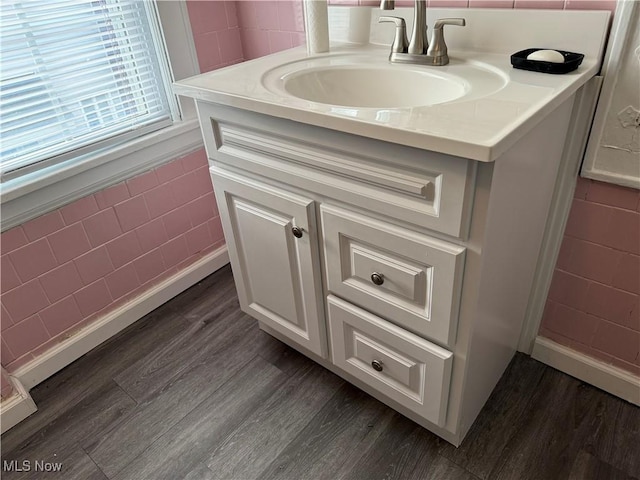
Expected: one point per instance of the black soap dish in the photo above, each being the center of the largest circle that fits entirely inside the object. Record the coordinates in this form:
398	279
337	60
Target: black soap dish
571	62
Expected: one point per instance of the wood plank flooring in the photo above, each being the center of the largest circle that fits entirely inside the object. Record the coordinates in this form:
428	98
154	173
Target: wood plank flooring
196	391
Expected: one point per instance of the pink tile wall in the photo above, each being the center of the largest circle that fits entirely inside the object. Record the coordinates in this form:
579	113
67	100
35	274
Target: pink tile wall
71	266
270	26
593	304
216	33
66	268
227	32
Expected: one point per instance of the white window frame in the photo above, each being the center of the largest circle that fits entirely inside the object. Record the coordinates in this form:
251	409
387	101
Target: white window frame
37	193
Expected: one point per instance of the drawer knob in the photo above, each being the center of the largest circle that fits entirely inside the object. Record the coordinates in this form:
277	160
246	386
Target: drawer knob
377	365
297	232
377	278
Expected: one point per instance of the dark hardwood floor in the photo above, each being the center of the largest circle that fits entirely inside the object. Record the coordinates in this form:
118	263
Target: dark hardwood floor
195	390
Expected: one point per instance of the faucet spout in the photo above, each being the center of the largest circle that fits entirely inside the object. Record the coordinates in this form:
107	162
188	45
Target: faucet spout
419	44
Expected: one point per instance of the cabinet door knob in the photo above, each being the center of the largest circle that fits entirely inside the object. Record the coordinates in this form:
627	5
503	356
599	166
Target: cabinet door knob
377	365
297	232
377	278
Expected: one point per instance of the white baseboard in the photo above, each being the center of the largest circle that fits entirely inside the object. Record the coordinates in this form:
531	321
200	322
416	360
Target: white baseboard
17	407
93	335
611	379
20	405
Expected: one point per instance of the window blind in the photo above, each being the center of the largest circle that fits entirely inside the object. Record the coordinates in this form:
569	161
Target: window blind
77	75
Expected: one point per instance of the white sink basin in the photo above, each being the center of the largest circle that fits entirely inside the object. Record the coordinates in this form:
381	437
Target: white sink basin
371	82
374	86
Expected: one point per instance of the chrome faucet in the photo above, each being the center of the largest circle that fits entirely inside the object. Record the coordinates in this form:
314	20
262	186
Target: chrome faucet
418	50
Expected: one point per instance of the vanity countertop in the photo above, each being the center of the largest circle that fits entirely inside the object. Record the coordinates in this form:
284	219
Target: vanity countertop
479	128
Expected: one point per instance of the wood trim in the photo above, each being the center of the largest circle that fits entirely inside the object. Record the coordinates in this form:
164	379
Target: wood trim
73	348
24	200
611	379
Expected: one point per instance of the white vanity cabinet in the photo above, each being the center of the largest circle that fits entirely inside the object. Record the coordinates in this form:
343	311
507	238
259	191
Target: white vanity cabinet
406	272
401	243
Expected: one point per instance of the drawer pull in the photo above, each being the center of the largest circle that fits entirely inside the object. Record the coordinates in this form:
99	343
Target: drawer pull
297	232
377	278
377	365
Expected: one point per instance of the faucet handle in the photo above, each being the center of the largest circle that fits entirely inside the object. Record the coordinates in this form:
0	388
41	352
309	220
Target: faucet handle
438	47
441	22
400	42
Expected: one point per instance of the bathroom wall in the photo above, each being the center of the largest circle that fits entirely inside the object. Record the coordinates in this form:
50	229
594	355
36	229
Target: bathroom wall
216	33
593	303
71	266
226	32
270	26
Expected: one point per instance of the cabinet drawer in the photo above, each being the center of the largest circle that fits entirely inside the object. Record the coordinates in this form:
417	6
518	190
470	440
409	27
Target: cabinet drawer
276	268
400	365
407	278
426	189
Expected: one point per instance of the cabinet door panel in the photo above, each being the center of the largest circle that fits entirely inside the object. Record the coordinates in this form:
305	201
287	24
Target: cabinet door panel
272	274
277	274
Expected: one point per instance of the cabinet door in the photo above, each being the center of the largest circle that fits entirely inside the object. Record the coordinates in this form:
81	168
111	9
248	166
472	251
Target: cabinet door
272	240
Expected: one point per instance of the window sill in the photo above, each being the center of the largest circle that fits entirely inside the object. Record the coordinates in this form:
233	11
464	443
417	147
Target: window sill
35	194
